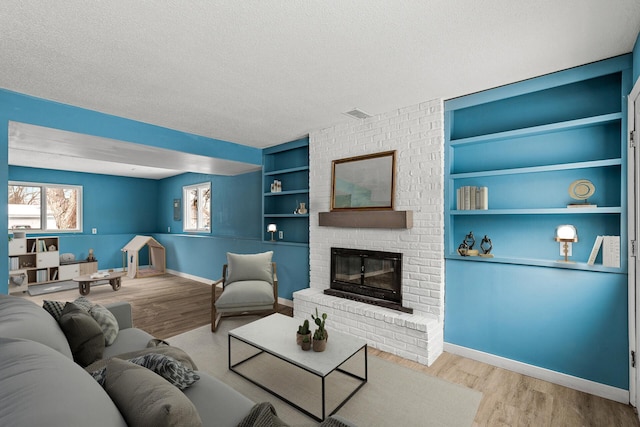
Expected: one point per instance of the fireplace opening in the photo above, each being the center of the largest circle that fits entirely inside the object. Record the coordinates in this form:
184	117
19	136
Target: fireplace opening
373	277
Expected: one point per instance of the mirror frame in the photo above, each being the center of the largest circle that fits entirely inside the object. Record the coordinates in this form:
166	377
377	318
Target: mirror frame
361	161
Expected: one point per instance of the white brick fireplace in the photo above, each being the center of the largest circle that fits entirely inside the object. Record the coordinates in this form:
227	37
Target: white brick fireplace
416	133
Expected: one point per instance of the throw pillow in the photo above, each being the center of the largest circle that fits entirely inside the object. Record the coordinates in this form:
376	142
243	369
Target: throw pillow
249	267
107	322
83	333
145	399
54	308
83	303
166	366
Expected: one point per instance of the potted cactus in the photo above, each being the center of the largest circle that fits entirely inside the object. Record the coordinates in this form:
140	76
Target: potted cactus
320	334
303	331
306	342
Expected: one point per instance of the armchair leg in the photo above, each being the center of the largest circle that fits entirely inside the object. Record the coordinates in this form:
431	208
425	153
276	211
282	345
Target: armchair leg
215	319
215	316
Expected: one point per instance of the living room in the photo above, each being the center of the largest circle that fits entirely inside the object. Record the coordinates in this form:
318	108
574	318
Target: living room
119	208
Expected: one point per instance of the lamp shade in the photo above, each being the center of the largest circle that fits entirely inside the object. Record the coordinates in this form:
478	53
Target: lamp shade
566	233
272	228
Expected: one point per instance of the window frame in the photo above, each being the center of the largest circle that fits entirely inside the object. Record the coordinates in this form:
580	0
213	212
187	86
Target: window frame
186	214
43	207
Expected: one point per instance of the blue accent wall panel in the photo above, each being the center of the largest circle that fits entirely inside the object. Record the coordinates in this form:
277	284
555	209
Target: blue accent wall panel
235	203
574	322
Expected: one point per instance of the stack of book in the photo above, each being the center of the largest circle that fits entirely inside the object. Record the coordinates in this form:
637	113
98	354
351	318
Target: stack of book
470	197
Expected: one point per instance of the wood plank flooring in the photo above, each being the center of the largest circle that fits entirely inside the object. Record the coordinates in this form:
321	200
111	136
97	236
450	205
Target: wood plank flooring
168	305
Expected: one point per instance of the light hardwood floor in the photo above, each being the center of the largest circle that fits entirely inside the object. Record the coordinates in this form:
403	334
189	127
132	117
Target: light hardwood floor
168	305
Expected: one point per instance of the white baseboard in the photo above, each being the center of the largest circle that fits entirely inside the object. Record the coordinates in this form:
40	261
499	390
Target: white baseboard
284	301
580	384
191	277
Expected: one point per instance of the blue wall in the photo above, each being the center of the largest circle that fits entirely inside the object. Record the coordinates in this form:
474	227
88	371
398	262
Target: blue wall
235	203
569	321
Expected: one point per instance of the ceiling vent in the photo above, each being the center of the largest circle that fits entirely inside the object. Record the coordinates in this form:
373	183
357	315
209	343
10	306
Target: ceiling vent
357	114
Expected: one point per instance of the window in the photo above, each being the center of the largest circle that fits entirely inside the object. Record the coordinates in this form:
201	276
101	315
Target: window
45	207
197	207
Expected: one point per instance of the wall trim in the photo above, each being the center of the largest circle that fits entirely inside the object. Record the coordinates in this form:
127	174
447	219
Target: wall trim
580	384
190	276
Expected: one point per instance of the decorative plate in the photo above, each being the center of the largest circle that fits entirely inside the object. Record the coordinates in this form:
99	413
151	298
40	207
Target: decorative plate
581	189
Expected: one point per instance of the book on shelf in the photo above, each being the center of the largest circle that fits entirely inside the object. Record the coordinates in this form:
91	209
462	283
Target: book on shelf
33	247
595	250
611	251
470	197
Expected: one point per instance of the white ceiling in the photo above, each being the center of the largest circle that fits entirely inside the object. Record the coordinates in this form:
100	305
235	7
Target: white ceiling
261	73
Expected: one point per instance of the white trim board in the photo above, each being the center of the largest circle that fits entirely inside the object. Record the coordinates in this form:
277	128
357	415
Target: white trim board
580	384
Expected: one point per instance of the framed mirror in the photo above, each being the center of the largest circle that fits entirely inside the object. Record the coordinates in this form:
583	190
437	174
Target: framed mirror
364	182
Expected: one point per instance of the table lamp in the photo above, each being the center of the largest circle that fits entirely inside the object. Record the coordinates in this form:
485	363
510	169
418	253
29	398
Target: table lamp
271	228
566	234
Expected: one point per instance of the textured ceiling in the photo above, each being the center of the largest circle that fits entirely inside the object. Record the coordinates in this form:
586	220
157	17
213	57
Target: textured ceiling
261	73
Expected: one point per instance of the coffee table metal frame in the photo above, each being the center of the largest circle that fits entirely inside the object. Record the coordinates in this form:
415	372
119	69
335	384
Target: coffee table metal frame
320	373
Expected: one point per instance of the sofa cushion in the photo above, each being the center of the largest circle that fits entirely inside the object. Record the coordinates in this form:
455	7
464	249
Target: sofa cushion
21	318
249	267
146	399
83	333
41	387
218	403
128	340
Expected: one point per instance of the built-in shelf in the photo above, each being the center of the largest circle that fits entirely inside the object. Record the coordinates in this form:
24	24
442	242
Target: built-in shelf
366	219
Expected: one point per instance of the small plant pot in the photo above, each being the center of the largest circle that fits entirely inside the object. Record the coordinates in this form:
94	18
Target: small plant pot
306	346
319	345
300	337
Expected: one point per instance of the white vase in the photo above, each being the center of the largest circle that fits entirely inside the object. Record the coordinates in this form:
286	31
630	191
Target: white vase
302	209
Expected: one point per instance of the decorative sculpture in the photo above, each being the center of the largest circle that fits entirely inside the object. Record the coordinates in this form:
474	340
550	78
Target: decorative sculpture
486	246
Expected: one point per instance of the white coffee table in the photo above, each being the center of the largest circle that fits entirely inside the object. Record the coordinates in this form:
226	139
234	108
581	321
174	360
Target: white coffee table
276	335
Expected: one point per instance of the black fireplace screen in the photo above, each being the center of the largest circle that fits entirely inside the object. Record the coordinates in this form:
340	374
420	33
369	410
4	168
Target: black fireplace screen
370	276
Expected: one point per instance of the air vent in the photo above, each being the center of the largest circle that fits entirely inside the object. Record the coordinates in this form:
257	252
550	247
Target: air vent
358	114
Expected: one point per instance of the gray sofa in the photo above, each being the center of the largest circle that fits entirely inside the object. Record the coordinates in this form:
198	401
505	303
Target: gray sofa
40	384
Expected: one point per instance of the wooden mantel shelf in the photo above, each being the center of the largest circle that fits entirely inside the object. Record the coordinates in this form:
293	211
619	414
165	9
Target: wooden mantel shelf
366	219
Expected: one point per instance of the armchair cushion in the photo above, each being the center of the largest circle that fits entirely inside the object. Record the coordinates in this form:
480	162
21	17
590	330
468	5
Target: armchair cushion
249	267
246	293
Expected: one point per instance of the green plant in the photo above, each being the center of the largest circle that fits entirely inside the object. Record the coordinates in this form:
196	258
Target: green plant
320	333
304	328
306	339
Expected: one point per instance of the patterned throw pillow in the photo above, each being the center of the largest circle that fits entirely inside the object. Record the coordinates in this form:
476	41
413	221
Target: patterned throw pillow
107	322
54	308
165	366
84	303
